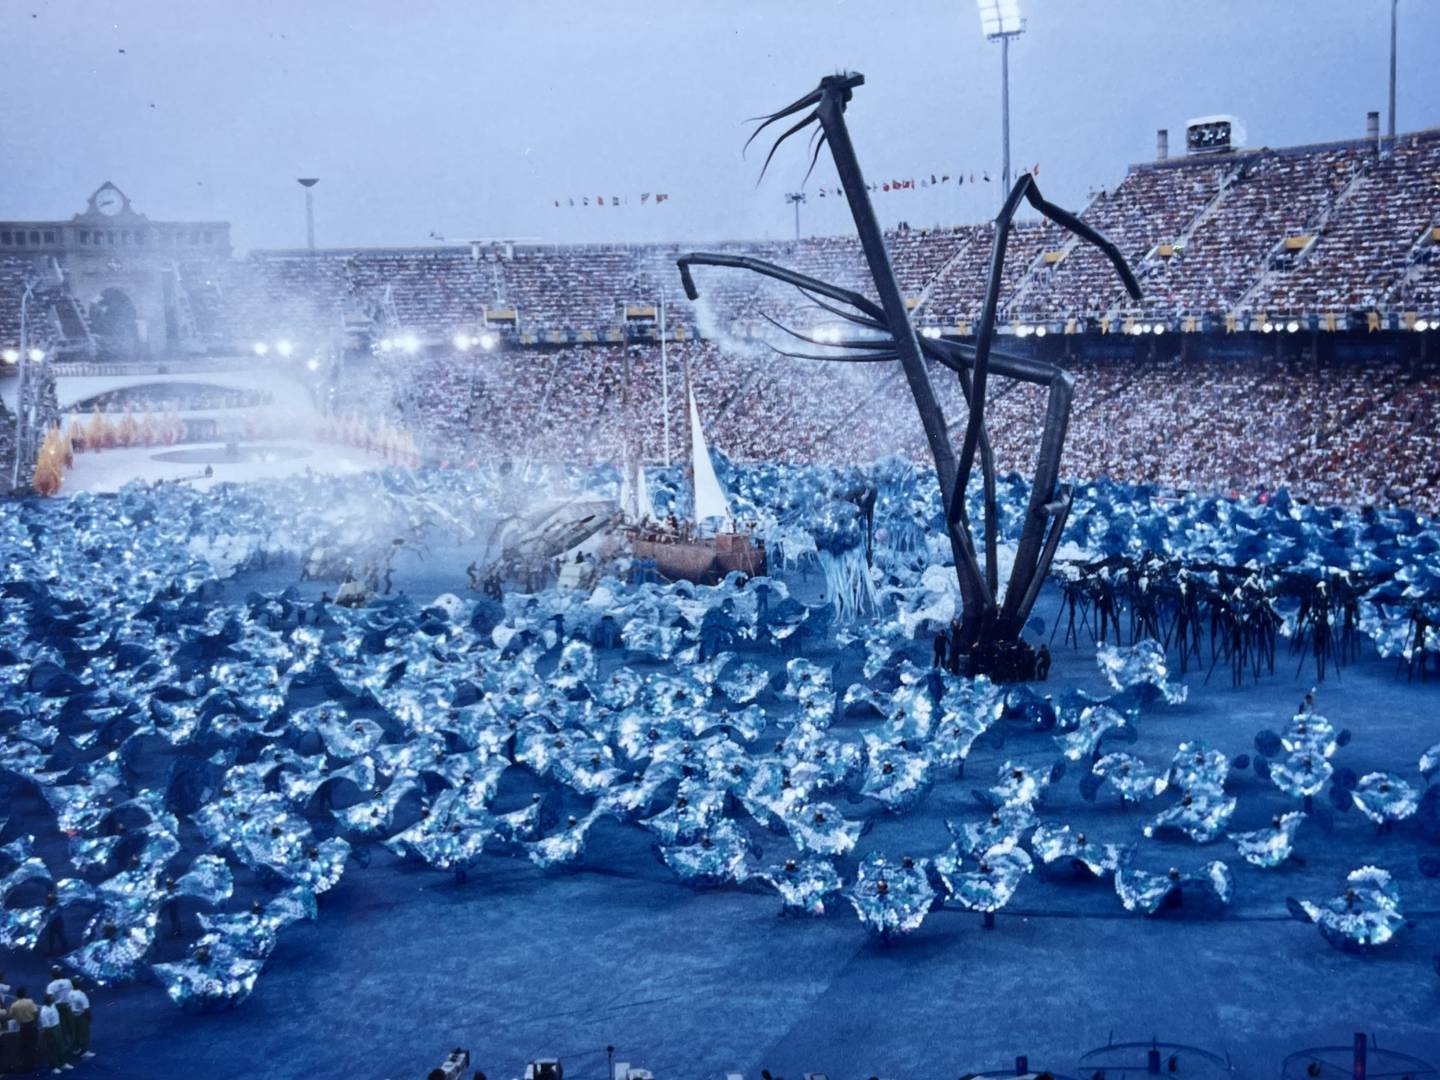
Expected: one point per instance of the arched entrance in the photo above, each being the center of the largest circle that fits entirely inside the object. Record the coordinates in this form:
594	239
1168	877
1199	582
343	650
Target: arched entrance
113	322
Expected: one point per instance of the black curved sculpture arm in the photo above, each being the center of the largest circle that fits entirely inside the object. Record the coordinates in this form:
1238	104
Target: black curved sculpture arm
986	631
779	273
1025	188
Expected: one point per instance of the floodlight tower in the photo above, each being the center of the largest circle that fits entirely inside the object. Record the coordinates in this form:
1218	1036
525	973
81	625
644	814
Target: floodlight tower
1000	20
795	198
1394	5
308	183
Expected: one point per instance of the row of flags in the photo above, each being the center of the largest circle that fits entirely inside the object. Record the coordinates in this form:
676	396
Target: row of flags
646	199
886	186
882	187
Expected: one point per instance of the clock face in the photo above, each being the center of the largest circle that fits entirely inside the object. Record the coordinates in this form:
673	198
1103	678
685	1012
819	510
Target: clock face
109	202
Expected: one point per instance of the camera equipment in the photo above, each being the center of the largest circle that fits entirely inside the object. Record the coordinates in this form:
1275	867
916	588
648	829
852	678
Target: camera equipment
453	1067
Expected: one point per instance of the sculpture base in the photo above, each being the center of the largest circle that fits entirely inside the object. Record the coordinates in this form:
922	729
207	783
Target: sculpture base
1003	661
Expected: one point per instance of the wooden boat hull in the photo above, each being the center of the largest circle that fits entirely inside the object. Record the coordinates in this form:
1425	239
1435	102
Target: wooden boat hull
704	560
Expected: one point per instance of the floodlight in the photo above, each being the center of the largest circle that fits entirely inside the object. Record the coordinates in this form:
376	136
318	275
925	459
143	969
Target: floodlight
1000	17
1040	331
10	356
1158	328
261	348
488	341
463	342
1266	327
284	348
313	363
1138	328
36	355
386	344
410	343
1421	325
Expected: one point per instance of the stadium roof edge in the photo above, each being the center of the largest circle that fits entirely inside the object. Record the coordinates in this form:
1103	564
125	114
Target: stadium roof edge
616	245
463	248
1423	135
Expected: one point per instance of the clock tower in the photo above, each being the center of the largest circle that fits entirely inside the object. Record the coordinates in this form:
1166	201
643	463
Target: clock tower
108	201
114	258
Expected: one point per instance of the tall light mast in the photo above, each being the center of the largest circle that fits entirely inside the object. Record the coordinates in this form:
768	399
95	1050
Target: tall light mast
1000	21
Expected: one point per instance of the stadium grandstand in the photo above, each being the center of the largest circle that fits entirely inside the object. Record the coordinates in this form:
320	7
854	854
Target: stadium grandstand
1283	337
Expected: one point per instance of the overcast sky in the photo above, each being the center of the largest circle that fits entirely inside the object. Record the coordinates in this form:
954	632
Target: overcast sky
469	118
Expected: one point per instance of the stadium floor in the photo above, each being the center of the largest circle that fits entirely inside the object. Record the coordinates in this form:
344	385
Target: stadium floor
404	963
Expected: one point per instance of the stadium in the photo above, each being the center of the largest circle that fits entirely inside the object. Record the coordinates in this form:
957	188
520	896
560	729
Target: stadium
990	648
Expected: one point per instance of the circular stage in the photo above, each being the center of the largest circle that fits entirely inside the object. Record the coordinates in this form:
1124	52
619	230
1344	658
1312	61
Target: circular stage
231	455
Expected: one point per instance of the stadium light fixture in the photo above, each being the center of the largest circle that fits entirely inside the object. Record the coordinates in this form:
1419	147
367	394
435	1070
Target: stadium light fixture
1138	329
1266	327
284	348
1158	328
36	355
386	344
488	341
261	348
410	344
10	356
999	17
313	363
1040	331
1000	20
1421	325
463	342
1292	326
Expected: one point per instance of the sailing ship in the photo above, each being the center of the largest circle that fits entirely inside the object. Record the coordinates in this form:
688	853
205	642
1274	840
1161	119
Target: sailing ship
703	548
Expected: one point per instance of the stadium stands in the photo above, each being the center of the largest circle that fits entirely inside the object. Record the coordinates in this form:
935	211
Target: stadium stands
1335	237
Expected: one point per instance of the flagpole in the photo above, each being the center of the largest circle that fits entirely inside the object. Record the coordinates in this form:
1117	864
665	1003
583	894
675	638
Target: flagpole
690	406
627	462
665	381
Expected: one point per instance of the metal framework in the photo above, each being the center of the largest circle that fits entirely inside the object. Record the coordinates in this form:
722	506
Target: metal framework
991	623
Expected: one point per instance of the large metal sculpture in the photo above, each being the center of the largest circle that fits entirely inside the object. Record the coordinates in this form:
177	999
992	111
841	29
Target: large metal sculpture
991	623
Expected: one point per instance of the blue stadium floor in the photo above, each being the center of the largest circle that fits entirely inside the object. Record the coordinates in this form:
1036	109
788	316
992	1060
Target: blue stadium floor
404	963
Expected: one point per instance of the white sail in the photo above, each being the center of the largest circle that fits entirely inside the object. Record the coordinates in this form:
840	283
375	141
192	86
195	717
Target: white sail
710	500
627	495
644	508
635	504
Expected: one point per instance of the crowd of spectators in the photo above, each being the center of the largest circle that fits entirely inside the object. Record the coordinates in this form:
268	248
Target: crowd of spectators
1329	229
1341	430
1340	228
